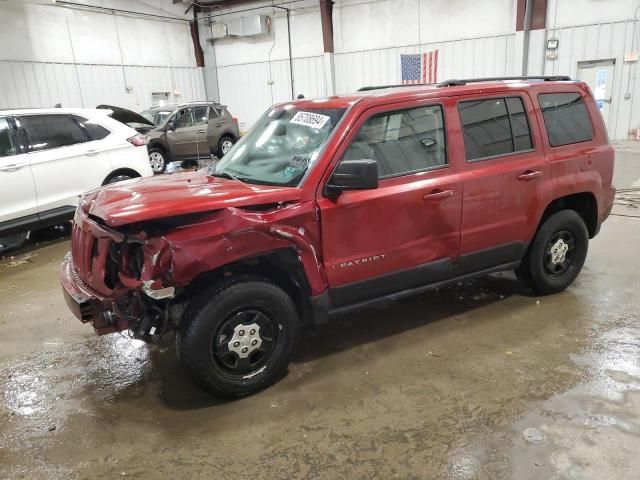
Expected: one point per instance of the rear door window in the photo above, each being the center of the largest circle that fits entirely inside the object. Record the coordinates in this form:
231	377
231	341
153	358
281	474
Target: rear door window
184	118
7	147
495	126
52	131
566	118
200	115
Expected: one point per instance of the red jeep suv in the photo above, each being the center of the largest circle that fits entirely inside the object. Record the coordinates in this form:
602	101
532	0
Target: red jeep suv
335	204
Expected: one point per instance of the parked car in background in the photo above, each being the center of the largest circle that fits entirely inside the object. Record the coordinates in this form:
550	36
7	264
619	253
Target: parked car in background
49	157
328	206
189	131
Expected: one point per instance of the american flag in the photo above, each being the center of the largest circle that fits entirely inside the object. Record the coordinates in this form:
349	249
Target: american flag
420	67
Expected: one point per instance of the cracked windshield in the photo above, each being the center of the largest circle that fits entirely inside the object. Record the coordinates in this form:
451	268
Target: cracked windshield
281	147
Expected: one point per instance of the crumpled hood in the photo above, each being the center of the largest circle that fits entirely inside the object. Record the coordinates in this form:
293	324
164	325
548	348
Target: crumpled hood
177	194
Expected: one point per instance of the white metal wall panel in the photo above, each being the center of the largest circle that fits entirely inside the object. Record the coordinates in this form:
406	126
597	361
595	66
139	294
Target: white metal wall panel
603	42
473	57
30	85
35	84
309	77
248	92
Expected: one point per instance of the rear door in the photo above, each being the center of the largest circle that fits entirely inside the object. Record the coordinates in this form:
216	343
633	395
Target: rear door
17	190
406	232
201	121
183	140
507	179
63	162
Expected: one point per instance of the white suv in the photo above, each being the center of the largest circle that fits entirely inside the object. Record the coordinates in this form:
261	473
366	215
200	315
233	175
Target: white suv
48	158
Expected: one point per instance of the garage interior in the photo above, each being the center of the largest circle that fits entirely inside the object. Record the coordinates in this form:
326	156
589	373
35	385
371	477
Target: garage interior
478	380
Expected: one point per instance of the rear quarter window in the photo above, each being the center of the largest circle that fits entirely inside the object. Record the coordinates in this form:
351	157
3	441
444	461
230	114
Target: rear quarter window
94	130
566	118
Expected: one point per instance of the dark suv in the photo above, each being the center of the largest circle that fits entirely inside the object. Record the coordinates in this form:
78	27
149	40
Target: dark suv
332	205
189	131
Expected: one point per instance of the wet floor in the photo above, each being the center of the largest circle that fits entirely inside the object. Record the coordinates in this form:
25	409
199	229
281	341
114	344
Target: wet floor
477	381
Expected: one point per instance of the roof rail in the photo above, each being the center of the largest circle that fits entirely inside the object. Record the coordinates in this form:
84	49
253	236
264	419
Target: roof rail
380	87
464	81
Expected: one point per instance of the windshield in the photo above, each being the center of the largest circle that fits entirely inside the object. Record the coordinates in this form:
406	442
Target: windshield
281	146
156	117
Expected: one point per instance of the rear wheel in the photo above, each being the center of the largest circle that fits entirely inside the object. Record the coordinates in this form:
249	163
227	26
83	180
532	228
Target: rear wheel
158	160
240	339
557	253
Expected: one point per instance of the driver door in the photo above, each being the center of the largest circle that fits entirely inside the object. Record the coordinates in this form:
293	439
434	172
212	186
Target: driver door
406	232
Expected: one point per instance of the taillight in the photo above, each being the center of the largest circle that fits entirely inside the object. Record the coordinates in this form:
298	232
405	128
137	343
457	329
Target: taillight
234	120
138	140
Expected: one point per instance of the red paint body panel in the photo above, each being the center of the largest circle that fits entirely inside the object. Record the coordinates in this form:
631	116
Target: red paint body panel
375	232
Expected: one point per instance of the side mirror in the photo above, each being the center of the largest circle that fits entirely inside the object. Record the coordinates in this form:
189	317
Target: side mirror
171	126
353	175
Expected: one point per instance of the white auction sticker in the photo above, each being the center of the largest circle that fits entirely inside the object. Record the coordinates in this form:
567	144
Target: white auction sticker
308	119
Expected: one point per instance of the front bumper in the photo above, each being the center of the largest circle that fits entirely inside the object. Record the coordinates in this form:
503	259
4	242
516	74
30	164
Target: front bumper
87	305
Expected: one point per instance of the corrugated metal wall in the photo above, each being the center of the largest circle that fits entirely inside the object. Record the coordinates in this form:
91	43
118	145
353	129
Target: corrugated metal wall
246	87
485	56
250	88
41	84
603	41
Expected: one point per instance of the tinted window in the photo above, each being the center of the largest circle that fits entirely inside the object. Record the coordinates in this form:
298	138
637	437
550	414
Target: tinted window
214	112
94	130
495	126
184	118
402	141
7	147
566	118
52	131
200	115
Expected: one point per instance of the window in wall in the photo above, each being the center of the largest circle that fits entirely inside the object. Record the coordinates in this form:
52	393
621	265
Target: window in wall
52	131
7	148
94	130
495	126
402	141
566	118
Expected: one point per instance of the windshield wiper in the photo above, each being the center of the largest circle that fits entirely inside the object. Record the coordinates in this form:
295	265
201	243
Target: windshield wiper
224	175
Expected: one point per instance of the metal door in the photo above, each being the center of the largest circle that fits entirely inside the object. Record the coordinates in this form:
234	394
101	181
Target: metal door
598	74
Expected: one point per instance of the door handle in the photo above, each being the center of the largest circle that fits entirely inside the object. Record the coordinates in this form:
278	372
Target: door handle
530	175
12	167
202	131
91	153
438	194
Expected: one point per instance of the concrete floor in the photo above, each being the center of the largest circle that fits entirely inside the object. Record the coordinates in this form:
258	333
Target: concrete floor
477	381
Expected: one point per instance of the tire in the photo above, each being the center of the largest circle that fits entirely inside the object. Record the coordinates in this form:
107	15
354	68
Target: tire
547	270
239	317
158	160
118	178
224	145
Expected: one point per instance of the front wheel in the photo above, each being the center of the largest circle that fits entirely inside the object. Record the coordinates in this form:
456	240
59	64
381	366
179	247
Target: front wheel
557	253
240	339
158	160
224	145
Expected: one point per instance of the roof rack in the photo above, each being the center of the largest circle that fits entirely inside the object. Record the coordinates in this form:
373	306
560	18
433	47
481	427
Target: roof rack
457	82
464	81
380	87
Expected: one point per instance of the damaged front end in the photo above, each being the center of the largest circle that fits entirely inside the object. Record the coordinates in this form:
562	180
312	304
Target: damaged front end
118	280
140	276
